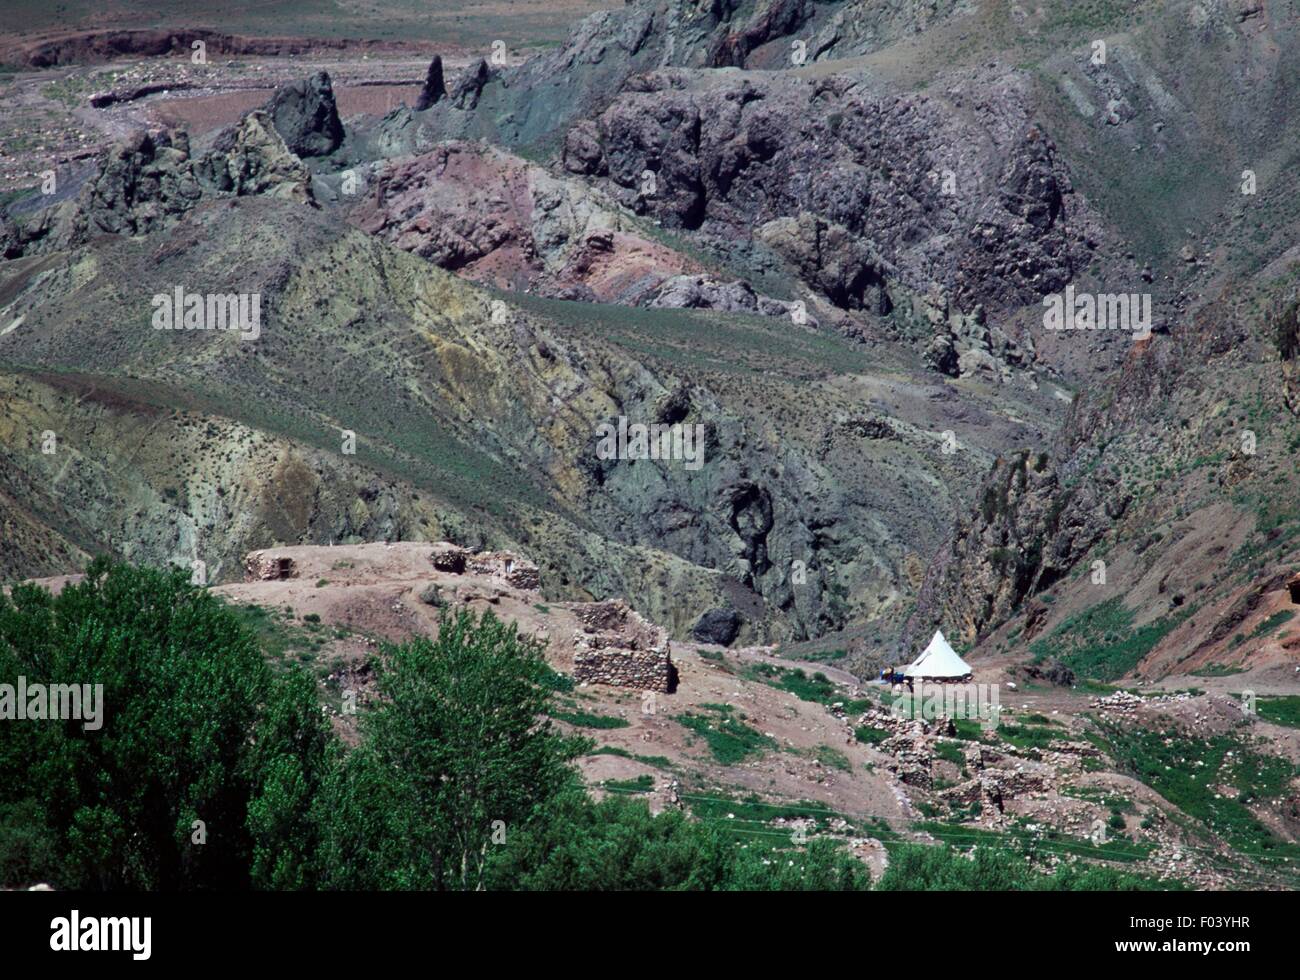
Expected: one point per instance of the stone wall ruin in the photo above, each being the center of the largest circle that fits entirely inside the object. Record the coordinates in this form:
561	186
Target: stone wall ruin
617	647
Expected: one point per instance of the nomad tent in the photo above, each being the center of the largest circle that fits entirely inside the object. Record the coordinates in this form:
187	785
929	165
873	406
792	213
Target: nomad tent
938	662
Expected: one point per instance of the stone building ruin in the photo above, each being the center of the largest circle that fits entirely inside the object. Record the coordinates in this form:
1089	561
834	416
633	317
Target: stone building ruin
617	647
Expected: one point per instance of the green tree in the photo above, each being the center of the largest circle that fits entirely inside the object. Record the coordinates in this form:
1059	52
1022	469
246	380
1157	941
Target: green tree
458	749
195	728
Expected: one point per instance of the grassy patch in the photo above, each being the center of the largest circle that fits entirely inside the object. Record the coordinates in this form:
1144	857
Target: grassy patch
281	638
833	758
585	719
1272	623
950	752
819	689
658	761
1027	736
750	818
1280	711
557	681
1217	670
727	736
641	784
1043	843
1190	772
870	735
1101	642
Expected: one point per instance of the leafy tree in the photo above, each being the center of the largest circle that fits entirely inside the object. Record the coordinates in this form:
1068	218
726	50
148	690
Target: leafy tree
458	750
195	728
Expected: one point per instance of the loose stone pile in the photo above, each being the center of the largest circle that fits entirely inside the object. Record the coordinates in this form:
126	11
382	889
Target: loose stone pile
1121	702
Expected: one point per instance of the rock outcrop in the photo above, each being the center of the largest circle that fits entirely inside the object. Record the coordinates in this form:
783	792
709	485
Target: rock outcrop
251	158
140	185
493	217
1027	533
434	89
149	180
718	626
859	188
305	115
469	88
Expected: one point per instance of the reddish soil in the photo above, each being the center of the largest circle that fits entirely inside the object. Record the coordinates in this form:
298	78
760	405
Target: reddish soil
95	46
204	113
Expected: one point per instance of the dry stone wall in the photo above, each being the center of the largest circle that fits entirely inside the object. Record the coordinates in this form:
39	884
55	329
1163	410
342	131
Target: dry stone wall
617	647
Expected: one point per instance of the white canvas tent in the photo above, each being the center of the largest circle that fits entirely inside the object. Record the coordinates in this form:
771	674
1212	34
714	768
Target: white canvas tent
938	661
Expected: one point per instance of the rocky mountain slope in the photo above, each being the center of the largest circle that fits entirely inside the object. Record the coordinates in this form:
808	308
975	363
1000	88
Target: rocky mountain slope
491	409
821	231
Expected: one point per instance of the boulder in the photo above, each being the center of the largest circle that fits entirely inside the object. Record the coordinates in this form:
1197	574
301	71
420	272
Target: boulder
718	626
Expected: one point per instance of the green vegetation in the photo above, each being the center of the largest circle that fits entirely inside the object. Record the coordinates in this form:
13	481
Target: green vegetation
658	761
1190	772
456	750
1041	842
833	758
1272	623
198	733
752	820
1027	736
459	780
553	680
920	868
641	784
1217	670
283	642
617	845
585	719
70	91
819	689
950	752
1280	711
728	737
870	735
1101	642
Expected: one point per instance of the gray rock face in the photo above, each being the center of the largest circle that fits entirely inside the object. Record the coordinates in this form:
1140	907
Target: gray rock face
704	293
550	93
717	626
1026	535
305	115
435	89
140	185
856	187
